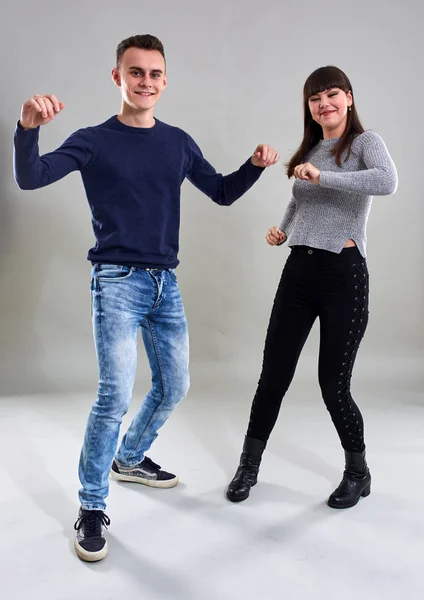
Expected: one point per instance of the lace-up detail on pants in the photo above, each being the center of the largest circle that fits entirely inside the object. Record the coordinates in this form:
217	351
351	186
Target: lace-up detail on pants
333	288
351	417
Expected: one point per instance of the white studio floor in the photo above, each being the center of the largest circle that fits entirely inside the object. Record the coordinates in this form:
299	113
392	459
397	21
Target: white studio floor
189	543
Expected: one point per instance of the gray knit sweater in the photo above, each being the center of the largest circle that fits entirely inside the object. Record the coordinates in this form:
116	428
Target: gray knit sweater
326	215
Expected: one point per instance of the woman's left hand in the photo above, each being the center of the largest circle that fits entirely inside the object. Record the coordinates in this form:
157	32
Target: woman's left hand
308	172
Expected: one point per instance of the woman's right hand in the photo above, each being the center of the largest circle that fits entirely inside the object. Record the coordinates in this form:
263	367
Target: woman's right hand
275	237
39	110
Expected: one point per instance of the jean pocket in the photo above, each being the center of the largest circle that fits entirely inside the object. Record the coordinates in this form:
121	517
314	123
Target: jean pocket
173	275
113	272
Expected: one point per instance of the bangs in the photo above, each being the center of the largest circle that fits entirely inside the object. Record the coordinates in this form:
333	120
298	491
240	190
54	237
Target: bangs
325	78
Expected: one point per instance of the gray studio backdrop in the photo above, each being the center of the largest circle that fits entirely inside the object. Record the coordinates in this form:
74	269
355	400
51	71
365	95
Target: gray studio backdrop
236	71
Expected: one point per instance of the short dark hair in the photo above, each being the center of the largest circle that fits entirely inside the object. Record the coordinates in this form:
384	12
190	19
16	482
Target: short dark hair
144	42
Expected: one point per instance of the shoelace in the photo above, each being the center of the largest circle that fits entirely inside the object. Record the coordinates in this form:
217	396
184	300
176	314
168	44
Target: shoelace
92	520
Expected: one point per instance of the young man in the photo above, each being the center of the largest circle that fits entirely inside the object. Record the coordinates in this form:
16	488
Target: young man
132	168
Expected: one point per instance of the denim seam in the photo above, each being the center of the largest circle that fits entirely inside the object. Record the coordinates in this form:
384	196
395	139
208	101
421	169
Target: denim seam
101	361
159	292
163	386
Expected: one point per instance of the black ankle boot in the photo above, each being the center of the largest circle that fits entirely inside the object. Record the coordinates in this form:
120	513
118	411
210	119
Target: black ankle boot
247	473
356	482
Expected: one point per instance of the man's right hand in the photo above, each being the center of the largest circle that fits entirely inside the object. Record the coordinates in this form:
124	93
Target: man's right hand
40	110
275	237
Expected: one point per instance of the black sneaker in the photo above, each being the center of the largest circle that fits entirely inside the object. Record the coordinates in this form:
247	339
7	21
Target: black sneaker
146	472
90	545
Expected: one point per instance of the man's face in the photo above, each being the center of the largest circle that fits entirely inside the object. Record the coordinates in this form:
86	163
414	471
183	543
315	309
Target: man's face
141	77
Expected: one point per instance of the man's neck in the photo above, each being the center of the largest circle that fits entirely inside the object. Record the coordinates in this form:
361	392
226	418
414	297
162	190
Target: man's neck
142	119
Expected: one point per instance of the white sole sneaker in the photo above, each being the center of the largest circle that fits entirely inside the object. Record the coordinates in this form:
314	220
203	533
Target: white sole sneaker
156	483
89	556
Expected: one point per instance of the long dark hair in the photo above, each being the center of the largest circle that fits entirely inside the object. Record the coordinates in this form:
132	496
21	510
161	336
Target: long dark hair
325	78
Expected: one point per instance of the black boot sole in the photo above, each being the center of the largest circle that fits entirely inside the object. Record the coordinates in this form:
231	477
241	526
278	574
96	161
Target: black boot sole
238	498
366	492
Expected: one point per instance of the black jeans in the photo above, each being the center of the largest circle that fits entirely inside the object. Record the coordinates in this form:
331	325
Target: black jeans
334	288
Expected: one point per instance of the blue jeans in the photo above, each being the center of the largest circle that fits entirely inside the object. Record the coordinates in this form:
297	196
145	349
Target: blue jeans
124	299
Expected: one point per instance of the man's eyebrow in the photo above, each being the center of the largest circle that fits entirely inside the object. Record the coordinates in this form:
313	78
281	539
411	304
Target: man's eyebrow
142	69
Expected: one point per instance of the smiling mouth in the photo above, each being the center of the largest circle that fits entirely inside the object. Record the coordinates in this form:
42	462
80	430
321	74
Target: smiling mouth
327	113
144	93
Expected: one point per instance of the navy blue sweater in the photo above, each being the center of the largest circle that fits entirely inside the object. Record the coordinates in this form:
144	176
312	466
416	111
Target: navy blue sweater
132	177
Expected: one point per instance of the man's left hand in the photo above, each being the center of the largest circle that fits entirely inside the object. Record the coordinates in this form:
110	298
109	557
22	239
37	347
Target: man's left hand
265	156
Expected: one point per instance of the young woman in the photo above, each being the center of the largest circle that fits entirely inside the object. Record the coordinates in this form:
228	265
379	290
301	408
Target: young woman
338	168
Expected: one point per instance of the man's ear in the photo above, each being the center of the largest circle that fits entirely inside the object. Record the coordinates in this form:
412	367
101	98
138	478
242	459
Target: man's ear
116	77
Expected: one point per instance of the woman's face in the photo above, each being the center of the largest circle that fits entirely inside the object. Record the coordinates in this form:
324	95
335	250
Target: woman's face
329	109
